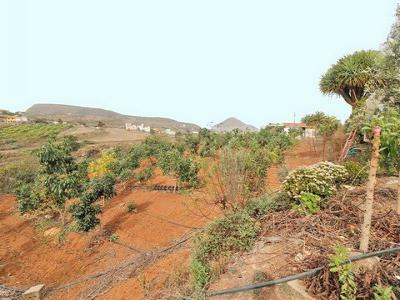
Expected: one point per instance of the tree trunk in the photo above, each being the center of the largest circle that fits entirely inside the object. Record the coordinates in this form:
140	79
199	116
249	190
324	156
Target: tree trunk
366	226
398	197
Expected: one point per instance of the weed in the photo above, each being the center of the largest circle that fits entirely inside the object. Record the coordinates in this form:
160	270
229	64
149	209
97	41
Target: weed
113	238
132	207
234	232
348	285
382	292
309	203
357	172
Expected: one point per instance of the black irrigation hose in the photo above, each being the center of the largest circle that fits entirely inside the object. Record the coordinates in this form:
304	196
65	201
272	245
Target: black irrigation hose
297	276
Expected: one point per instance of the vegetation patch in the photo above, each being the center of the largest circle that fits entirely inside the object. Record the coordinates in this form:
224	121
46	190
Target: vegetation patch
31	131
321	179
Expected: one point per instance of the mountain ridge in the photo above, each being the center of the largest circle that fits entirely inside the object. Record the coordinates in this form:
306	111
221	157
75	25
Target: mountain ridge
232	123
92	115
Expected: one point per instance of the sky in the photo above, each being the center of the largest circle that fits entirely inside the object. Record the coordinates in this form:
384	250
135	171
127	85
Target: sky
194	61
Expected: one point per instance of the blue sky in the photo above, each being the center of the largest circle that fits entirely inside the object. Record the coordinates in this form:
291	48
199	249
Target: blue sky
197	61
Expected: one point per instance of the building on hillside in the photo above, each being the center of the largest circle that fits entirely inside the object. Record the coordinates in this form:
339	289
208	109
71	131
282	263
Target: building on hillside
141	127
169	132
21	119
308	131
13	119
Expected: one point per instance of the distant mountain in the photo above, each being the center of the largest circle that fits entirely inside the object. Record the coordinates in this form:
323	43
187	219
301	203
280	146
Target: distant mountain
231	124
91	116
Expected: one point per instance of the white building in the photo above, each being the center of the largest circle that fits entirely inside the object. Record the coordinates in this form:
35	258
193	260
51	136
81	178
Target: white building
141	127
169	131
308	132
21	119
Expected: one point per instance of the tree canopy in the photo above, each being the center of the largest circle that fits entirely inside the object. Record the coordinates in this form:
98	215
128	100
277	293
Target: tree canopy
354	76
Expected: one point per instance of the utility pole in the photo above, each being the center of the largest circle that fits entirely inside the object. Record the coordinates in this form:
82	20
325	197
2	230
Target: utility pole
294	118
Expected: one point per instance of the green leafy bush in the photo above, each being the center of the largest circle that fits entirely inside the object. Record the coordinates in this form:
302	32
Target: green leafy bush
308	203
320	179
58	180
132	207
201	273
145	174
382	292
357	172
168	161
337	264
258	207
187	172
234	232
85	211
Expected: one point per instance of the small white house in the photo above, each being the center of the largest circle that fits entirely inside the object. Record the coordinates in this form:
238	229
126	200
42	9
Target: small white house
169	132
141	127
21	119
308	132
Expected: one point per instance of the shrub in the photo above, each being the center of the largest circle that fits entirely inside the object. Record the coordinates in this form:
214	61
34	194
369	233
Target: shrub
132	207
59	179
382	292
308	203
145	174
239	175
320	179
234	232
85	211
201	273
28	197
187	172
113	238
258	207
13	173
102	165
168	161
348	285
357	172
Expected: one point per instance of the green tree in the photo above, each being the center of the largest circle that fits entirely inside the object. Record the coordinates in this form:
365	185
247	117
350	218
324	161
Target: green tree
325	125
391	66
58	180
85	211
389	121
354	76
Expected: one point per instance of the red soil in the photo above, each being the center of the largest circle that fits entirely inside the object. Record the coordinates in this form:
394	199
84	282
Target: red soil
28	258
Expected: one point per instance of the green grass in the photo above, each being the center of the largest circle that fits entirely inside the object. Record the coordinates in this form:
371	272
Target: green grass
30	131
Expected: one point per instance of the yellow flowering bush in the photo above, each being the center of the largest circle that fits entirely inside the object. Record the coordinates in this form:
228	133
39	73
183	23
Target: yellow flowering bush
102	166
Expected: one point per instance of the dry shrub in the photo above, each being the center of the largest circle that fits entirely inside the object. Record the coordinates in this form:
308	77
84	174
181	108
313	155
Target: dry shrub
338	223
238	175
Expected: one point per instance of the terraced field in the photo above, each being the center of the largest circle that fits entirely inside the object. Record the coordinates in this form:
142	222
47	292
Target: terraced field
30	131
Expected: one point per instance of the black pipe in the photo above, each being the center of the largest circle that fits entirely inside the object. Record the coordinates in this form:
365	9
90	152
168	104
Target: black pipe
297	276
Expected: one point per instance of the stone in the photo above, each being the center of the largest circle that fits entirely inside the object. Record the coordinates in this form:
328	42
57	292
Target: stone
367	264
292	290
34	293
52	231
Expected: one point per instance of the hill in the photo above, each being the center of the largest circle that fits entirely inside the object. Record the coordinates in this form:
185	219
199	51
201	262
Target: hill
91	115
231	124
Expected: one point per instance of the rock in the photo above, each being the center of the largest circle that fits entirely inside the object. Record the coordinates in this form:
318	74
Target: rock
361	266
273	239
34	293
52	231
292	290
391	183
